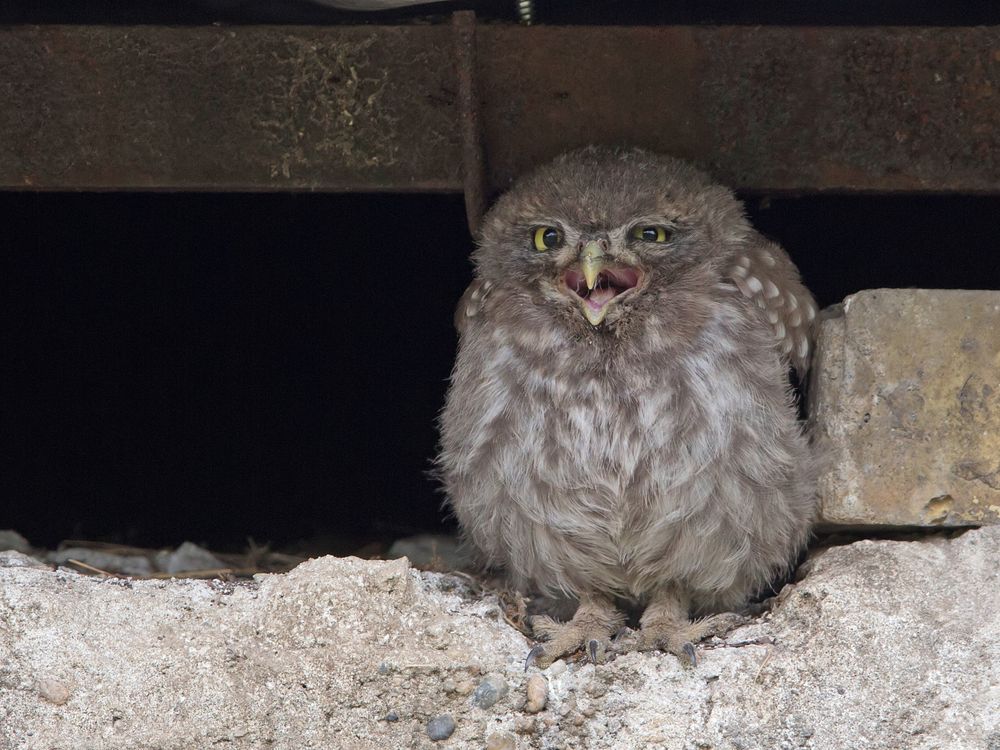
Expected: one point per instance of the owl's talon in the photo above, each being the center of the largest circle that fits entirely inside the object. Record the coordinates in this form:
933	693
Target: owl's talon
592	647
622	635
537	650
595	619
690	652
665	627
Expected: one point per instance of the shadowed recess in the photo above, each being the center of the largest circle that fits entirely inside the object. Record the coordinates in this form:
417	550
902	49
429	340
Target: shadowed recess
212	367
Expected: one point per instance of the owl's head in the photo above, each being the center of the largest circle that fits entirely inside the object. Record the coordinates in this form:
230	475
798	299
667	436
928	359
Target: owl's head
600	235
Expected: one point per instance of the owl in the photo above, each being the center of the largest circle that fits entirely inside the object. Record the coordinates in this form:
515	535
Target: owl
619	427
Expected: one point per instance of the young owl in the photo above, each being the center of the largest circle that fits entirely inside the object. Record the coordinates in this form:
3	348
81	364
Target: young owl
620	427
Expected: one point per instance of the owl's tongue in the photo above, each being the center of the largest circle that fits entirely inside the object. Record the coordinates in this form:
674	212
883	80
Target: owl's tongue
600	296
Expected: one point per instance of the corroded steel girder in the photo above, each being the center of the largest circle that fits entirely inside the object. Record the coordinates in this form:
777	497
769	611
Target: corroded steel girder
362	108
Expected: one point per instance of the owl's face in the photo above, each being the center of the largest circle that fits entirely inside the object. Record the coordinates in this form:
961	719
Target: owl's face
601	236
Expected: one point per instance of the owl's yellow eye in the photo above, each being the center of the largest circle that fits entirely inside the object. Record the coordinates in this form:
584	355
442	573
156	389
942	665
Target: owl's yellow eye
650	234
546	238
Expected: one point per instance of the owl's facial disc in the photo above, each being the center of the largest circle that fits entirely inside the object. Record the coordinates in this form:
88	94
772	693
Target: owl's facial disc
596	285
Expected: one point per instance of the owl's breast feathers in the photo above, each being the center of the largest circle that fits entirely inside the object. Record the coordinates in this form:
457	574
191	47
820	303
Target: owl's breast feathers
577	471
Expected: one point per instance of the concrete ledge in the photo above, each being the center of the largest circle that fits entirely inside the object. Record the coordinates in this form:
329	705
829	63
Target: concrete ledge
906	396
882	645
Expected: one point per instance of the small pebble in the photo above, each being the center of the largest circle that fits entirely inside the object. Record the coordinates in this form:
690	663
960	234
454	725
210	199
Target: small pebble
490	690
53	691
538	694
189	556
440	728
597	688
525	725
557	667
10	539
465	687
567	706
501	741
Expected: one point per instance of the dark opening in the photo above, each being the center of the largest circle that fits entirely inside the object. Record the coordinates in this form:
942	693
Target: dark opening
213	367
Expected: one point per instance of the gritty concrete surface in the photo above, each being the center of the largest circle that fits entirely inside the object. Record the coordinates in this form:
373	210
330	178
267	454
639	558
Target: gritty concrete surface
906	396
881	645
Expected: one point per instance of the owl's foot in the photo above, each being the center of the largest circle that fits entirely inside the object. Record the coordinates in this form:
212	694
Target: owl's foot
590	629
665	626
676	635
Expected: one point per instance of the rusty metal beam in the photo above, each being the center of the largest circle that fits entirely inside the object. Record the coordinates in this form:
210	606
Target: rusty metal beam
245	108
353	108
475	181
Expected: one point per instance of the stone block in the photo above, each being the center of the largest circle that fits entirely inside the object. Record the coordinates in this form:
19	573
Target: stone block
905	398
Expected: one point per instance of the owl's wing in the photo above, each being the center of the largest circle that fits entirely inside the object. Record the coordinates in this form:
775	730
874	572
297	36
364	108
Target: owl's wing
471	303
765	274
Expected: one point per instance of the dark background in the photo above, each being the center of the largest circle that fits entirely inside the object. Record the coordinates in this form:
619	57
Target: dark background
216	366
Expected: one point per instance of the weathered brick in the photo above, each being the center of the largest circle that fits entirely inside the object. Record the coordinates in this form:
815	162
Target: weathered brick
905	394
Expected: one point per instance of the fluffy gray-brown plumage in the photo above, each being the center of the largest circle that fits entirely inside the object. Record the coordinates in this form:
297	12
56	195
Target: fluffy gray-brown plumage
619	426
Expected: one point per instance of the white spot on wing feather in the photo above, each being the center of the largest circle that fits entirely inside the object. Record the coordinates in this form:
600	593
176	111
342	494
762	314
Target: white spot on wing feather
767	258
802	347
785	311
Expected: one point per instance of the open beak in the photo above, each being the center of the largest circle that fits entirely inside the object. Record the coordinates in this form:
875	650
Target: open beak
596	284
592	263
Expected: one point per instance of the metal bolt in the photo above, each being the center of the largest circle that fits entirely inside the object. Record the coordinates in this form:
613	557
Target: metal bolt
526	11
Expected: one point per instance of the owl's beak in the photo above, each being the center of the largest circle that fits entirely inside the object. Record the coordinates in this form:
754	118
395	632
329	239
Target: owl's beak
603	283
591	263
